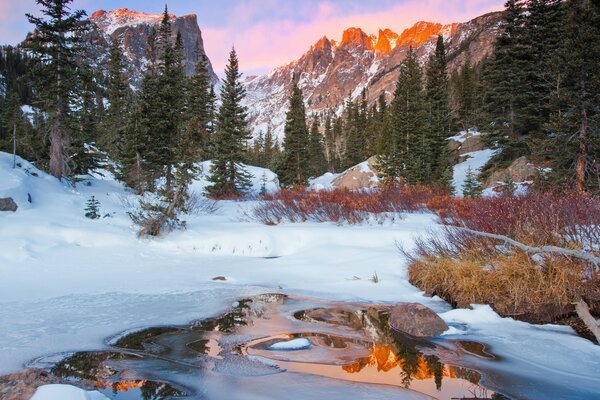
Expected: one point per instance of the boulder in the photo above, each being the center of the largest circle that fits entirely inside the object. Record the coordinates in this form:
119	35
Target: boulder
8	204
416	320
361	176
471	144
520	170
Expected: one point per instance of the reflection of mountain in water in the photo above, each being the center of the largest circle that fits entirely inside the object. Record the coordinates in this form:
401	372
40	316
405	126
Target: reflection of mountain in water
348	342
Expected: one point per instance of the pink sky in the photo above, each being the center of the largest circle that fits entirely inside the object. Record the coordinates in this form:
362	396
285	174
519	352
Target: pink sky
270	33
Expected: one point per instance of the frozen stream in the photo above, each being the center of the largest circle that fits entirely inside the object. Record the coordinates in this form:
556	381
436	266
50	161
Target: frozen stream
67	283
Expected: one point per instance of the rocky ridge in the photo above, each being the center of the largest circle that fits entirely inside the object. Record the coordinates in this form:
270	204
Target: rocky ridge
330	71
132	29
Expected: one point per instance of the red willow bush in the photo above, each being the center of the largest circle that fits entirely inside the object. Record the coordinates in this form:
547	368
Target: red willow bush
564	219
465	268
344	206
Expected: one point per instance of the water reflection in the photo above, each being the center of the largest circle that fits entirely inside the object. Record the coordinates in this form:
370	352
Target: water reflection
350	342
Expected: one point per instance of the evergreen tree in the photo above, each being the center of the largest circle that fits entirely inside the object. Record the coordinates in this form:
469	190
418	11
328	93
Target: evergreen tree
355	139
440	120
293	170
56	45
471	188
228	176
573	147
409	128
505	79
200	104
385	142
85	123
465	86
316	152
92	209
119	101
543	37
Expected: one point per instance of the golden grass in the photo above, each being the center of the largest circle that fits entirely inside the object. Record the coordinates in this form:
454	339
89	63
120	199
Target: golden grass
513	284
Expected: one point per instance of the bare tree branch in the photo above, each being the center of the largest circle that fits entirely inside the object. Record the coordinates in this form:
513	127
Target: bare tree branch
581	254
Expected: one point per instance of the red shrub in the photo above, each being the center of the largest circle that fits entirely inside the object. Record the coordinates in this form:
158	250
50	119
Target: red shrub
298	205
538	218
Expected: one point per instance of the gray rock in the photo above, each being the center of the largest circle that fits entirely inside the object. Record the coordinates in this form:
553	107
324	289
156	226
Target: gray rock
8	204
416	320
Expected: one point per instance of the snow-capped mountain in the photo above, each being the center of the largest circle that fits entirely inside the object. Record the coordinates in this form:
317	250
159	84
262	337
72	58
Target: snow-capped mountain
331	70
132	28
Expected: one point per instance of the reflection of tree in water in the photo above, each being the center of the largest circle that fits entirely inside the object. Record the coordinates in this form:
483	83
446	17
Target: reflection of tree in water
412	364
157	391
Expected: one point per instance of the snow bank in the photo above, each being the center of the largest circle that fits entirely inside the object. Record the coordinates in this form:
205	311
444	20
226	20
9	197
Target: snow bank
463	135
291	345
259	177
323	182
475	161
65	392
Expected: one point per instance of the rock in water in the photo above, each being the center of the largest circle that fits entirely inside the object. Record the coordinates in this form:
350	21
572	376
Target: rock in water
8	204
416	320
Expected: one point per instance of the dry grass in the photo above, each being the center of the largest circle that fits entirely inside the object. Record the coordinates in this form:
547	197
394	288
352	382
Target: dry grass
513	284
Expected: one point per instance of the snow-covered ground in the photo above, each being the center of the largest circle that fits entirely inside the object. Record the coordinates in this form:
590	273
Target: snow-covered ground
67	283
474	161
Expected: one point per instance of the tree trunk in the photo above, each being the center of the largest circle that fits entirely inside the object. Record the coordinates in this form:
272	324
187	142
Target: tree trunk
14	145
583	311
583	151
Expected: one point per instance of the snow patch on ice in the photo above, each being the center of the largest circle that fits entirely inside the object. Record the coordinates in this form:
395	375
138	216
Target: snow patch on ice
291	345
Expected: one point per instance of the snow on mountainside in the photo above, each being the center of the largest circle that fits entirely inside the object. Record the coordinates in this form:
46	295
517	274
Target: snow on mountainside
132	29
330	70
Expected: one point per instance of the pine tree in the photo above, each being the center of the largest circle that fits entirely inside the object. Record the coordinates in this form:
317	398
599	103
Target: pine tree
465	86
505	78
293	170
228	176
56	45
471	188
440	120
329	144
85	122
316	152
508	186
409	129
574	146
92	209
354	132
119	101
200	104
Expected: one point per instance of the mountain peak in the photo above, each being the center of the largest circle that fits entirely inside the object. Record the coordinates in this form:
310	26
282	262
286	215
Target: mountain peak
356	37
386	41
110	21
419	33
323	43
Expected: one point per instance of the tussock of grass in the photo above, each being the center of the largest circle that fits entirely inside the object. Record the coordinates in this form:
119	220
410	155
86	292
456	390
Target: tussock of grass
513	284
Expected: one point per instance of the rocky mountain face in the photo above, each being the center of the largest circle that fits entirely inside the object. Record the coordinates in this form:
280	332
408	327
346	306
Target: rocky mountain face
132	29
330	70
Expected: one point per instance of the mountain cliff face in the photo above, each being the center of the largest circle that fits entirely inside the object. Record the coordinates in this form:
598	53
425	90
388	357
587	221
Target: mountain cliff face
132	28
330	71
